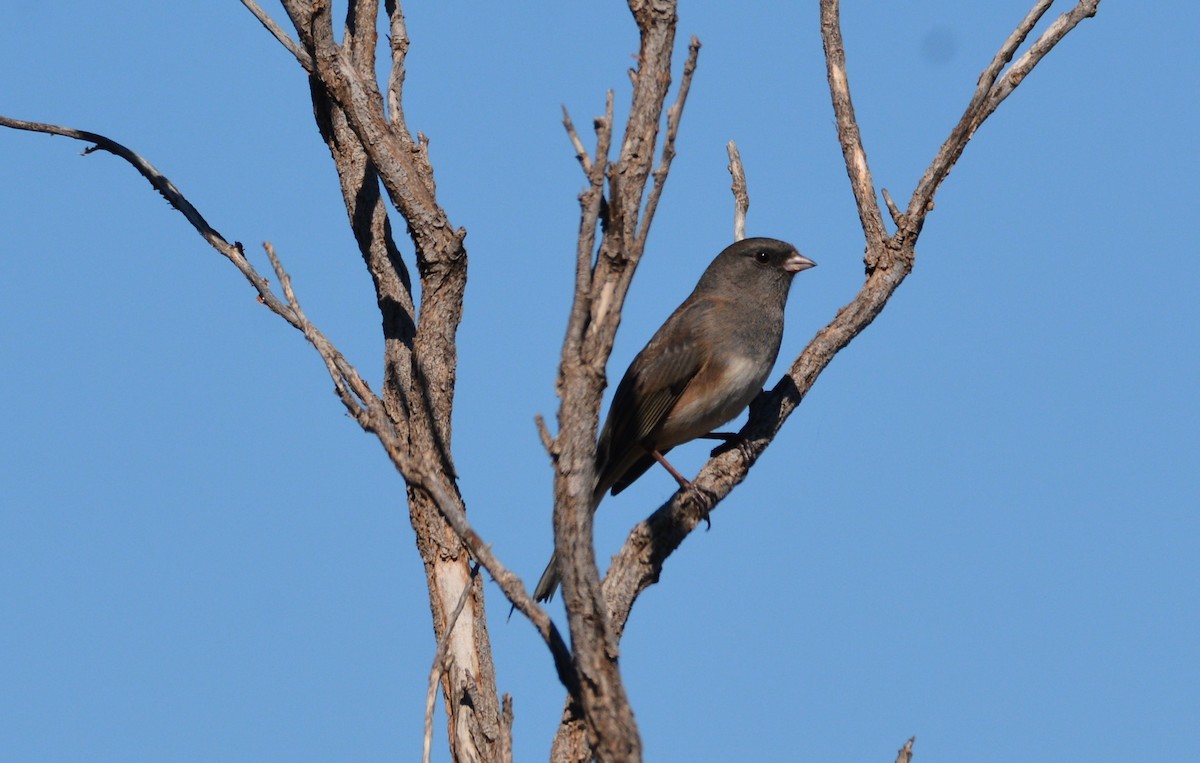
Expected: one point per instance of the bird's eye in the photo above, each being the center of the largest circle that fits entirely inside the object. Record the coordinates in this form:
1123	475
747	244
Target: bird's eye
762	257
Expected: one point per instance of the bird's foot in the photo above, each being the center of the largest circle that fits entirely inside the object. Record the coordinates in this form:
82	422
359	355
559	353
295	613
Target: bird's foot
684	484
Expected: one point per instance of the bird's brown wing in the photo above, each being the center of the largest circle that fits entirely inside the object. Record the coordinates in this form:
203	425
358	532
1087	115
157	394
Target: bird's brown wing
649	390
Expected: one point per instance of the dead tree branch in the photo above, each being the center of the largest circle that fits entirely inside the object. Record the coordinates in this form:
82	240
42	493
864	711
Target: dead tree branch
277	32
601	723
741	196
889	260
419	470
370	144
356	395
364	127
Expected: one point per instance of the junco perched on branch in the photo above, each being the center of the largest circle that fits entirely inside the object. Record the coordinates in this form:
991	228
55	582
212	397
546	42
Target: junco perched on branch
701	369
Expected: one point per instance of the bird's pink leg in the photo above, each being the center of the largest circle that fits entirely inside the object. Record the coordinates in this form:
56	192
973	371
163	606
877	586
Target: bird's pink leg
683	481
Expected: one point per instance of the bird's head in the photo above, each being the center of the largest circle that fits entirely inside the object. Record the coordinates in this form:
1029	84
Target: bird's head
754	268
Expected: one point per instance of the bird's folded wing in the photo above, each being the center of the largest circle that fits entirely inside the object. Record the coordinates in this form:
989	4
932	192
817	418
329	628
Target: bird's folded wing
653	384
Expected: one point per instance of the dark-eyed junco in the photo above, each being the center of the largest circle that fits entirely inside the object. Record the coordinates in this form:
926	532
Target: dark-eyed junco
702	368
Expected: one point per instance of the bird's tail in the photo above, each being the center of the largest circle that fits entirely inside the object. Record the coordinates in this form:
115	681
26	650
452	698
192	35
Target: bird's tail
548	582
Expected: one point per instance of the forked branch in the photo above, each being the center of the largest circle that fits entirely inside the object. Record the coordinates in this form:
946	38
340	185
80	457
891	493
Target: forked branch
889	260
356	395
601	724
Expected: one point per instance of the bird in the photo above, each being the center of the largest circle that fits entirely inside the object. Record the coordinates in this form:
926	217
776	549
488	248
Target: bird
699	370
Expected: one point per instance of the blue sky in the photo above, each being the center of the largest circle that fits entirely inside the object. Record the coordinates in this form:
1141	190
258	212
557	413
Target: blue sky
980	528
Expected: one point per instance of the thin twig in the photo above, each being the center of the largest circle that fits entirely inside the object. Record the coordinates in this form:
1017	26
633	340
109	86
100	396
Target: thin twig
356	404
147	170
591	203
398	34
741	196
1009	48
581	153
544	434
847	129
233	252
293	47
439	660
893	210
1051	37
674	114
990	93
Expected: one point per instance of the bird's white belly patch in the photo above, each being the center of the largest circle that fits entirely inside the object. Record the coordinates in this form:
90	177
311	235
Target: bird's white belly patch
739	381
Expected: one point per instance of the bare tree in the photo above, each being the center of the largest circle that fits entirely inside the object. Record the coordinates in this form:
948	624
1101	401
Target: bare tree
362	121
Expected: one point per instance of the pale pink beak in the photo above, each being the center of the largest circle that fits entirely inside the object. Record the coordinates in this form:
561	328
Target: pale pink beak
797	262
